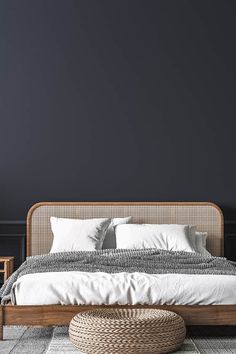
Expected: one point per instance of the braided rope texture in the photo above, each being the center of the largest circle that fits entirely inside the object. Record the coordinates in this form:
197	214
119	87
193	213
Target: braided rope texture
127	331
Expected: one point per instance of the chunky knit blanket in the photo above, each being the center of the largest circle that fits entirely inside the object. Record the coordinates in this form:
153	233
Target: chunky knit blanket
150	261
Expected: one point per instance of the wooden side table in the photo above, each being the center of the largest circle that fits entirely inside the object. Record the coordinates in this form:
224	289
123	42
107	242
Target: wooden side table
8	266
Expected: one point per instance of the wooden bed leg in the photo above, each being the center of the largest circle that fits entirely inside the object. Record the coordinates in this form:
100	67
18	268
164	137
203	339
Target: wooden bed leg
1	322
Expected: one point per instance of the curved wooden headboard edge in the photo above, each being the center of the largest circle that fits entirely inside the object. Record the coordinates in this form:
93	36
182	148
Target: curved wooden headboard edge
40	204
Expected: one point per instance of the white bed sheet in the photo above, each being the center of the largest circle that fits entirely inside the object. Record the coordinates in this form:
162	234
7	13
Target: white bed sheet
82	288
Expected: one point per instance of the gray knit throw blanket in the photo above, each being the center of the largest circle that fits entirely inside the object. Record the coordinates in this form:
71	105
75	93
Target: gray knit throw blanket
150	261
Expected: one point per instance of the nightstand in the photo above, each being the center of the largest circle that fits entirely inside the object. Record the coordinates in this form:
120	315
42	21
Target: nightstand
8	265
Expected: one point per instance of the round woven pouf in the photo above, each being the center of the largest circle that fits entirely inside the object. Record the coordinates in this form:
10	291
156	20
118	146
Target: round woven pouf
127	331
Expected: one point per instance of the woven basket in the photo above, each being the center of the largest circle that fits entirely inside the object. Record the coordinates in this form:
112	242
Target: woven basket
127	331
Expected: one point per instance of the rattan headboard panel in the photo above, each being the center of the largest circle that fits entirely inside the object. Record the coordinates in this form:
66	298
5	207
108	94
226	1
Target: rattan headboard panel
206	216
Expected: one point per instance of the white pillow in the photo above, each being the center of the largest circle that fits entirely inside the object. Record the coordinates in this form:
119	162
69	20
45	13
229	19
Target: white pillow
78	235
161	236
110	238
200	242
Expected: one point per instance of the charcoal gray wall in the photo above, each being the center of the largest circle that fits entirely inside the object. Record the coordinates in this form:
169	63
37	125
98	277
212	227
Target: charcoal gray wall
117	100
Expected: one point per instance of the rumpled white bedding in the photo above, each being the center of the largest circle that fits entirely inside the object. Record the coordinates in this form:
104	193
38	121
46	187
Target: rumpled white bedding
83	288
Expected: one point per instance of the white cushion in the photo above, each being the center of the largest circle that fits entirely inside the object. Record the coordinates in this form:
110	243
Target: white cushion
192	235
200	243
198	240
110	238
161	236
78	235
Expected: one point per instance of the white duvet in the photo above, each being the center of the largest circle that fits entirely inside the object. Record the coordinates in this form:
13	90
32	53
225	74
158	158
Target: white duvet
82	288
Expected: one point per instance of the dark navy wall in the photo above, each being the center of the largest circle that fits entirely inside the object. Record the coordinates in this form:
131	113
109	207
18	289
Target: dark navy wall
117	100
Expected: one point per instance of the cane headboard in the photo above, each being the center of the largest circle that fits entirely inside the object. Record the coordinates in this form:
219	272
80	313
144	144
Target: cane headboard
206	216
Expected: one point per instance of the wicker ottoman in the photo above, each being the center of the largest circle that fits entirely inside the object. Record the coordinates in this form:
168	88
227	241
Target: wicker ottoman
127	331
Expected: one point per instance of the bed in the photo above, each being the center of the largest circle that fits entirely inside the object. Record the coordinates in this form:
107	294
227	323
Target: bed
206	216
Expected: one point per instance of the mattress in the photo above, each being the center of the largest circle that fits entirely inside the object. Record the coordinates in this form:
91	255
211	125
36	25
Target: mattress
83	288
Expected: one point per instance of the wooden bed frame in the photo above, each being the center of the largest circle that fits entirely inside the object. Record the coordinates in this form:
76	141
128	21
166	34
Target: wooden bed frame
207	216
